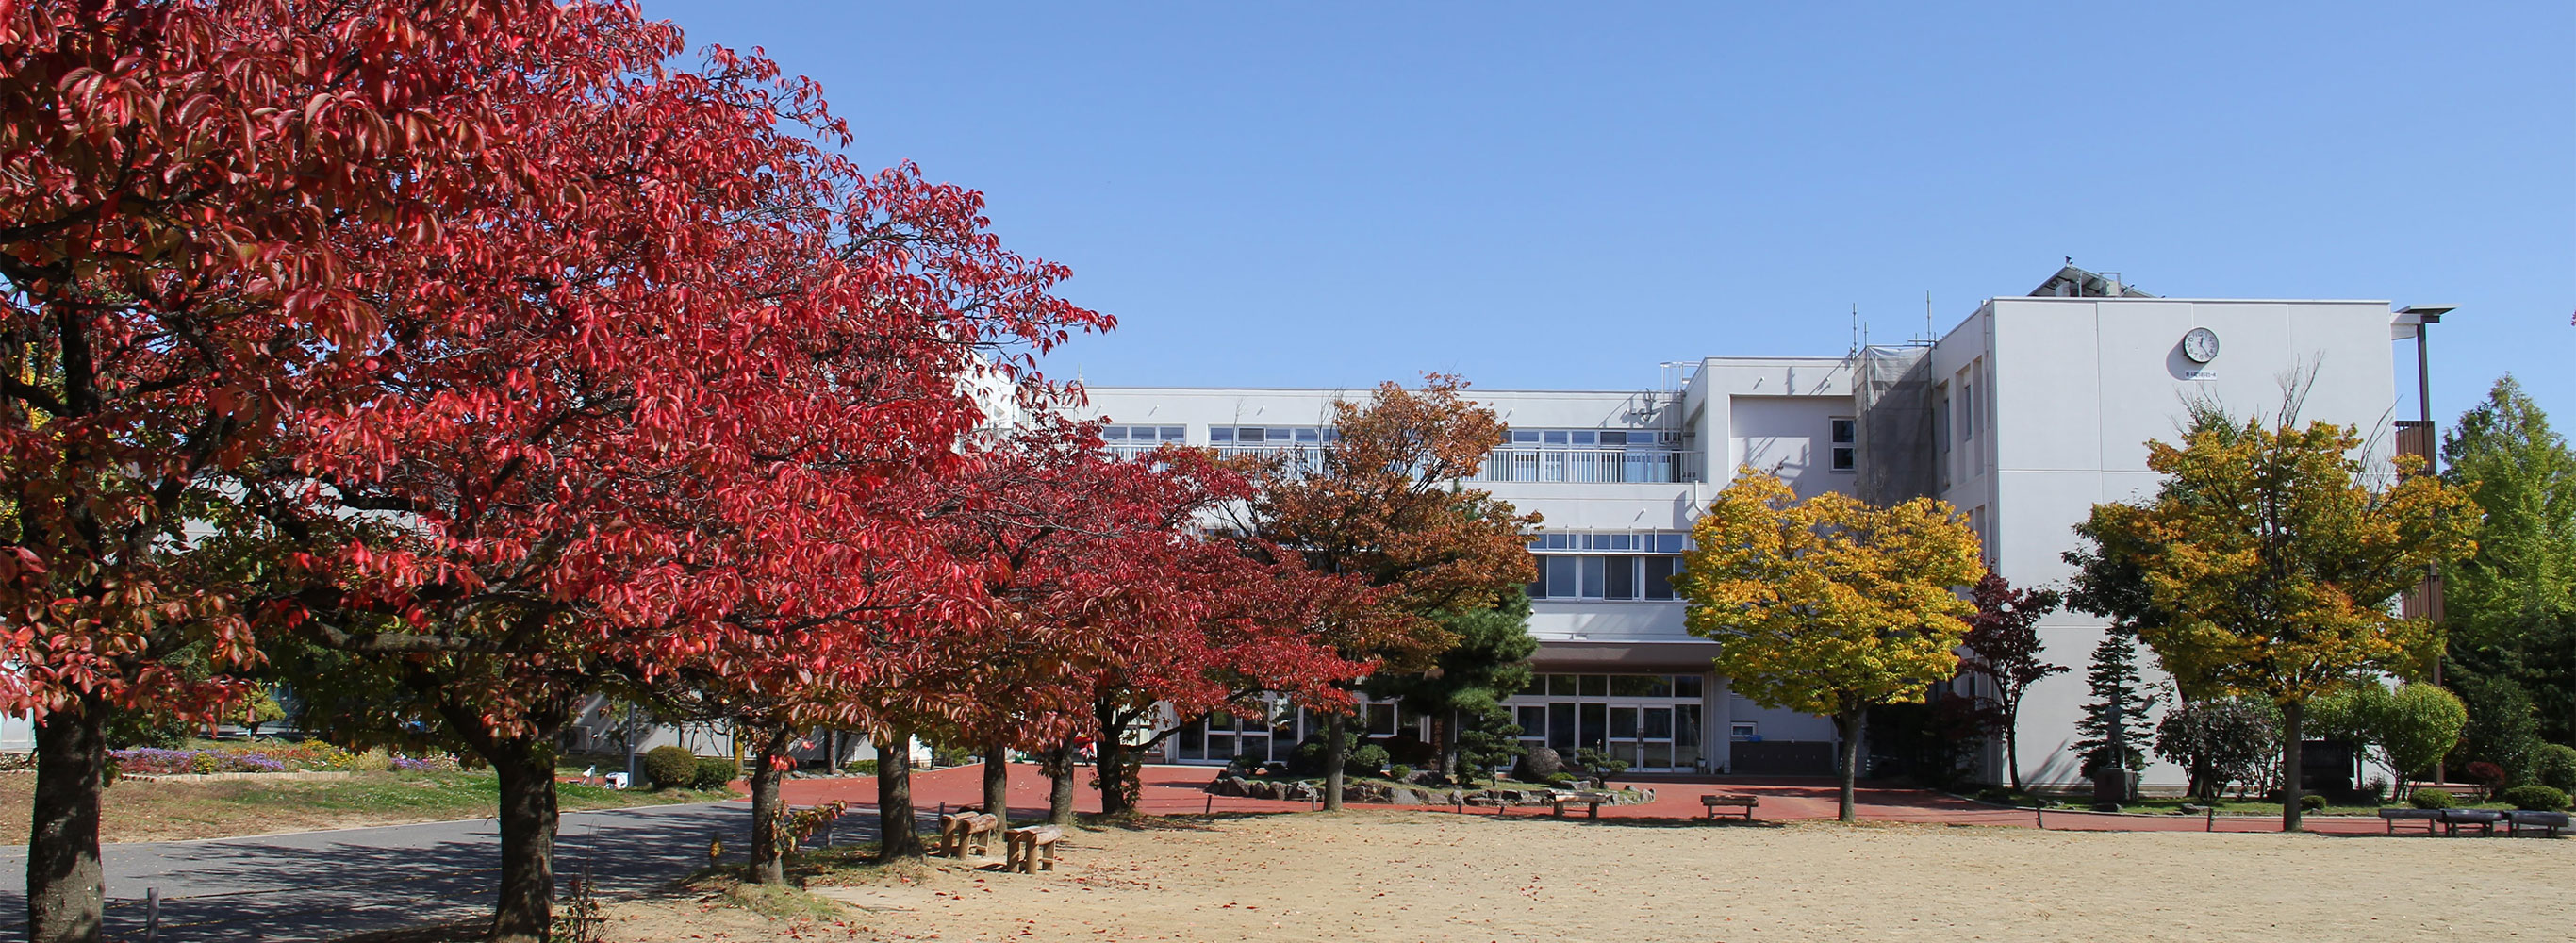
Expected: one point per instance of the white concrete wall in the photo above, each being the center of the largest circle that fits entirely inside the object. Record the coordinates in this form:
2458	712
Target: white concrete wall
2075	389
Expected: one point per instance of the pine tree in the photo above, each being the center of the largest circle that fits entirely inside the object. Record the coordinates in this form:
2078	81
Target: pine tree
2119	703
2511	607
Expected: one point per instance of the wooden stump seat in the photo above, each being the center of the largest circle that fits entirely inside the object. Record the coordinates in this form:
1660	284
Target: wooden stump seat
1031	848
958	830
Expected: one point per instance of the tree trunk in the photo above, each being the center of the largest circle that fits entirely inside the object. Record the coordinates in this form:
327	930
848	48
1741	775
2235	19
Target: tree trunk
1060	783
65	885
832	752
1336	751
1849	725
997	781
1120	785
526	769
769	839
2012	744
900	837
2293	718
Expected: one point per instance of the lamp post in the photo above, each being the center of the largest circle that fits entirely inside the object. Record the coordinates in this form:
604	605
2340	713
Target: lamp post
2426	316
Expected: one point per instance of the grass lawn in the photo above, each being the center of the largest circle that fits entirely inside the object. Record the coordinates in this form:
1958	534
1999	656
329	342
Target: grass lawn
2259	807
163	811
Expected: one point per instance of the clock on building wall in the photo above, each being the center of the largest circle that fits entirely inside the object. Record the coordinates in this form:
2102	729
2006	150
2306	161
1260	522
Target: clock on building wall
2201	345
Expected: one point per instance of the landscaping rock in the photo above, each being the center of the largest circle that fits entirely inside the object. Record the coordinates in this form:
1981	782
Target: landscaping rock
1539	763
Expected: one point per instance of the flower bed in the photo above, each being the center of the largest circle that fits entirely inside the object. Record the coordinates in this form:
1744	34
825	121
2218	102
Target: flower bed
265	758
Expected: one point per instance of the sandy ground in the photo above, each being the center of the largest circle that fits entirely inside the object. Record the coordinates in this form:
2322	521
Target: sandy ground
1407	875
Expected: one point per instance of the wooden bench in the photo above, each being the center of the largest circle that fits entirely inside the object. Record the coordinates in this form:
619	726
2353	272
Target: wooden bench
2481	819
2547	823
958	830
1028	845
1561	798
2432	818
1712	803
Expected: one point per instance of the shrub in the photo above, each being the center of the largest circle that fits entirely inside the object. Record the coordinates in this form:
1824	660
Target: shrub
1308	759
1399	771
2312	802
670	767
1243	764
1367	760
2432	799
2536	798
1597	763
1560	780
860	768
713	772
2554	765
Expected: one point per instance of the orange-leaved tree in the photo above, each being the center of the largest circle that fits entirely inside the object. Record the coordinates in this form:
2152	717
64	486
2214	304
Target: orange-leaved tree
2271	554
1379	498
1829	605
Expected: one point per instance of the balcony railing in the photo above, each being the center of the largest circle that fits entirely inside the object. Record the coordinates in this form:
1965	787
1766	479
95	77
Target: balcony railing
1579	466
1582	465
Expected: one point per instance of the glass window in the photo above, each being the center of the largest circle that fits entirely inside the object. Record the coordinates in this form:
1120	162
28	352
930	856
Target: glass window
1658	576
1557	541
1524	437
1249	435
1846	458
1532	721
1553	437
1220	436
1381	720
1561	685
1176	433
1632	685
1560	725
1744	731
1220	746
1623	578
1845	431
1668	543
1561	572
1306	436
1659	722
1593	574
1586	437
1220	720
1114	433
1690	686
1595	721
1596	685
1685	734
1623	723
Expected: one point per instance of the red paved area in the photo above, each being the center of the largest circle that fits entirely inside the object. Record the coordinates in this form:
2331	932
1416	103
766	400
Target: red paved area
1177	789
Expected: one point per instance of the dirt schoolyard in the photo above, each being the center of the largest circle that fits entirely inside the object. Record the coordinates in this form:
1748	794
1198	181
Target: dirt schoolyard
1415	875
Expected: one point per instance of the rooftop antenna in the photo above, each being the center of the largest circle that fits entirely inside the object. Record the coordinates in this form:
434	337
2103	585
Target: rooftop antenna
1855	348
1927	316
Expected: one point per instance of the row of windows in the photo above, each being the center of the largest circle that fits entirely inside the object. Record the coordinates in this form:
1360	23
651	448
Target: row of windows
1143	435
1688	687
1568	576
1593	438
1641	542
1272	435
1319	435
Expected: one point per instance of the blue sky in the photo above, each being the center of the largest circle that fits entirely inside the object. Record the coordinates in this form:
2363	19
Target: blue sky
1563	195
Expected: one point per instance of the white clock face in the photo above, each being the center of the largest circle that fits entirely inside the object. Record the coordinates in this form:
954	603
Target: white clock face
2201	345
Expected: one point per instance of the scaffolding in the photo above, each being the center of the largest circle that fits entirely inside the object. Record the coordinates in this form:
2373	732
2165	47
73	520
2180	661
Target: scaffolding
1892	390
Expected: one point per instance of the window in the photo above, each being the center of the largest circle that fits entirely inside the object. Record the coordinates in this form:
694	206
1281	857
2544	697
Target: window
1532	721
1846	443
1272	436
1564	572
1623	577
1689	686
1742	732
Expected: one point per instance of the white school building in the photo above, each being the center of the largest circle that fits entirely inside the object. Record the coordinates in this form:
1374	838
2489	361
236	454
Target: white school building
2023	416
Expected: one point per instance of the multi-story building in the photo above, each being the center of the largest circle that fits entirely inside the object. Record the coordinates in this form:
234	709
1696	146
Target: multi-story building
2023	416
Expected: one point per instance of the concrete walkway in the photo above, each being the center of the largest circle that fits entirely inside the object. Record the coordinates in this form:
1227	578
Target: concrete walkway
325	885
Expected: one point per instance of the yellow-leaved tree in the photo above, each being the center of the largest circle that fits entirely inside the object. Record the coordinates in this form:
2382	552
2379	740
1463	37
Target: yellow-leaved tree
2272	557
1829	605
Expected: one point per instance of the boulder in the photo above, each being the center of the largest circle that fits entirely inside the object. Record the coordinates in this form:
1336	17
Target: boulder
1538	764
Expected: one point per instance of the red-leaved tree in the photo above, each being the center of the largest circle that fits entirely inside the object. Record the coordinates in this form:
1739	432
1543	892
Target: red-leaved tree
195	194
2004	648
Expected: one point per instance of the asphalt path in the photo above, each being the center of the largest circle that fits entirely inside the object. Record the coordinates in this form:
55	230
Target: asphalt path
326	885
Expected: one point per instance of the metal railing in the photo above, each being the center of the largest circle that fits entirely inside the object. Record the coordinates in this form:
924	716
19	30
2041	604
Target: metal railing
1582	465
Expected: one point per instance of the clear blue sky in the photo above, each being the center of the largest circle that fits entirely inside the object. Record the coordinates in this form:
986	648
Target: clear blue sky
1563	195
